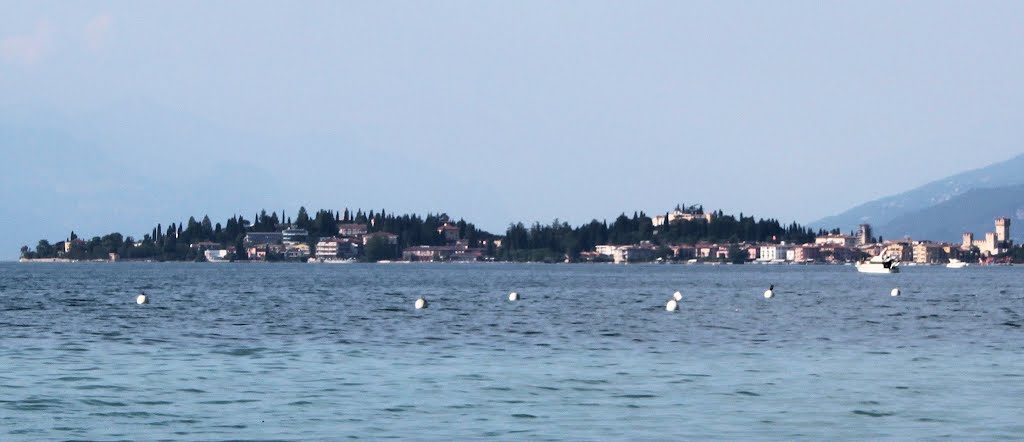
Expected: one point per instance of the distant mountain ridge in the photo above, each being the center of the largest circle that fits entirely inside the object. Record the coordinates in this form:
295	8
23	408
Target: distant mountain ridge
899	215
974	211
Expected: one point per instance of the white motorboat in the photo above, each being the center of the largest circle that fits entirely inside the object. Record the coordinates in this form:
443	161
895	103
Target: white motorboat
879	264
956	264
215	255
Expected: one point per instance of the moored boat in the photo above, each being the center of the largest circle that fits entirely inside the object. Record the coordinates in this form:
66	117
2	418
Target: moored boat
879	264
956	264
217	255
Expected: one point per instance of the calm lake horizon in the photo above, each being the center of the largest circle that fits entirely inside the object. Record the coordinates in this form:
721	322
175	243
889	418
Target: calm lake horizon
314	352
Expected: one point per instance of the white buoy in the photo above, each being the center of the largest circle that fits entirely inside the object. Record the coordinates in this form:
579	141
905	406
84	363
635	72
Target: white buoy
514	296
895	292
678	296
421	303
142	299
671	305
768	294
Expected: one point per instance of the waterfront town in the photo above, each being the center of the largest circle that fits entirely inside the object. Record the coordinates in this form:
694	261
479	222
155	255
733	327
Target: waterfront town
362	239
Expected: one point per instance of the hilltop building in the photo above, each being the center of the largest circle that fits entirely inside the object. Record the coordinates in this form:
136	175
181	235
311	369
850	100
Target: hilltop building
204	245
263	238
73	243
294	236
450	232
351	230
679	215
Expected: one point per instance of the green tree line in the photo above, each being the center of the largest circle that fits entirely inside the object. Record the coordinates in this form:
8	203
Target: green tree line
174	243
538	242
559	240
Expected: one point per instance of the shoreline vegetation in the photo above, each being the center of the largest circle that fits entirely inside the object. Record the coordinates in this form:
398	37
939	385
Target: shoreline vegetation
686	234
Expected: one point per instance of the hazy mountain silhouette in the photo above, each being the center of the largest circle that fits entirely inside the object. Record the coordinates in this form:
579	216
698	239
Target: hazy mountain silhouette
974	211
901	212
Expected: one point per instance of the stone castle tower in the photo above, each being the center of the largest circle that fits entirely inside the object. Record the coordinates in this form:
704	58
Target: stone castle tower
863	234
1002	229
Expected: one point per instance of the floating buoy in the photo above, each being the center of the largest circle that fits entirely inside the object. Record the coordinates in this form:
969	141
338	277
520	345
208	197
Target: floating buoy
895	292
768	294
514	296
678	296
142	299
671	305
421	303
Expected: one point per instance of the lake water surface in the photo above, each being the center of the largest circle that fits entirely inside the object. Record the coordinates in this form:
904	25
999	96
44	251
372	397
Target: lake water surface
314	352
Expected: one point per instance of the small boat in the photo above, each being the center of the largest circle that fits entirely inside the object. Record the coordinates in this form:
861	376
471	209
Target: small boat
879	264
956	264
217	256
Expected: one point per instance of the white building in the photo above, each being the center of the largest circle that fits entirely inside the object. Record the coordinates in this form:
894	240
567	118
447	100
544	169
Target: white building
334	248
626	254
679	215
774	252
351	230
839	240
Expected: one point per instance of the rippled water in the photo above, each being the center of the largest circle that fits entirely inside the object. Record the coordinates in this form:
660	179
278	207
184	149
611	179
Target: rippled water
249	351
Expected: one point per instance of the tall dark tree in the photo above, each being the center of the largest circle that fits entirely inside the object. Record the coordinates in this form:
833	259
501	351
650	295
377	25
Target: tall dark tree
378	249
302	219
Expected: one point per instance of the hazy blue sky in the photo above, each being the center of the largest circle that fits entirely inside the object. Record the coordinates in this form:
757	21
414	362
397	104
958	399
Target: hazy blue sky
116	116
